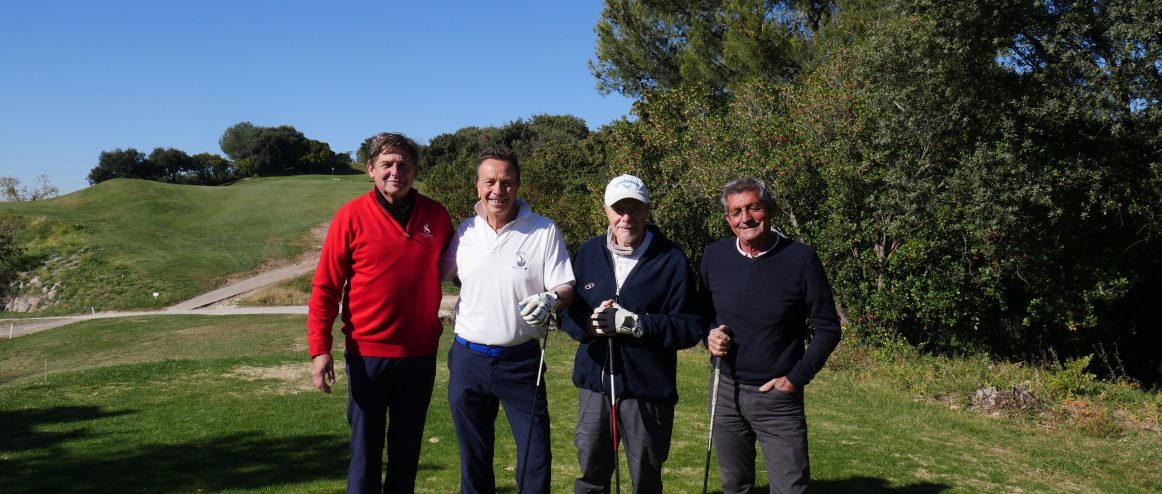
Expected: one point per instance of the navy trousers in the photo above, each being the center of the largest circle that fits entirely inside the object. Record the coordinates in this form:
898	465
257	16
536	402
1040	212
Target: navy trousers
477	385
387	396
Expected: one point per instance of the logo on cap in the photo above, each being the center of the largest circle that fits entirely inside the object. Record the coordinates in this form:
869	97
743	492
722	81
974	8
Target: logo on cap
626	187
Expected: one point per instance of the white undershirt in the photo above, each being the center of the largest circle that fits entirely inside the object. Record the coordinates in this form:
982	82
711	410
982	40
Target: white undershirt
622	265
738	245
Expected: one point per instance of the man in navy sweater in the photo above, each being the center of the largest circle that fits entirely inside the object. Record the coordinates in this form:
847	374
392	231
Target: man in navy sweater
635	305
765	288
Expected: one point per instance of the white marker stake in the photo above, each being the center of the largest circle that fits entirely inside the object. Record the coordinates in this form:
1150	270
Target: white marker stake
11	327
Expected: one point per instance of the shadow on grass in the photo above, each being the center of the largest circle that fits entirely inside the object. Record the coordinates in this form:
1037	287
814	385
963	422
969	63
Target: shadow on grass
870	484
860	484
19	429
236	461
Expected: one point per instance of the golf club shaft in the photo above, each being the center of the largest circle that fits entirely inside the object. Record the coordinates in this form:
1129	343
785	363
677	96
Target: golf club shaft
613	417
710	436
532	415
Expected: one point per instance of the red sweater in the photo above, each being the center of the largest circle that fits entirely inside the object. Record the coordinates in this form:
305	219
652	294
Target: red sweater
386	278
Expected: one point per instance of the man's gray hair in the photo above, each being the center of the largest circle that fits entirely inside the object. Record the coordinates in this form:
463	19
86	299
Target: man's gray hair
747	184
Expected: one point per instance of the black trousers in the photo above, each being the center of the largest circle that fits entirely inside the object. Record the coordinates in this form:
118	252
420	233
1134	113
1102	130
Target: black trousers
387	399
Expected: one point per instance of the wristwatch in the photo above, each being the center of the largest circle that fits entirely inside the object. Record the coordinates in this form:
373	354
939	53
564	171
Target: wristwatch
636	330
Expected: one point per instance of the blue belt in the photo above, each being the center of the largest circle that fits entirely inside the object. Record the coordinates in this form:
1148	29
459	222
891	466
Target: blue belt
497	351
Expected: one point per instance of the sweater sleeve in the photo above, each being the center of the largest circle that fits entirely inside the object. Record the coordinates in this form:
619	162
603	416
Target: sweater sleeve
825	327
678	326
575	318
331	276
706	311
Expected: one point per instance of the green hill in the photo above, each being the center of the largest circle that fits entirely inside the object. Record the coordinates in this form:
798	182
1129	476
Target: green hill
111	246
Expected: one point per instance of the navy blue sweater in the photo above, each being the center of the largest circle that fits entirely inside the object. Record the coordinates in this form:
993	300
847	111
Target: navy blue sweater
766	302
661	290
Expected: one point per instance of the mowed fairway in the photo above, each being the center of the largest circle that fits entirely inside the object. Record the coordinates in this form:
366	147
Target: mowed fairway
224	404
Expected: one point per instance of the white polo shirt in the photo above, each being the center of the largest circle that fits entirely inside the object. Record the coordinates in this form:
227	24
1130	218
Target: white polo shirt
499	269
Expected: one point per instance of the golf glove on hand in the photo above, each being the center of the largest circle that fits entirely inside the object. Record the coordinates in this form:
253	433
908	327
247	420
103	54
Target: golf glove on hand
616	319
538	309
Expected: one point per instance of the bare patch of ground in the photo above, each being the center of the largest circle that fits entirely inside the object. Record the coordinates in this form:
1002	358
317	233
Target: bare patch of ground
285	379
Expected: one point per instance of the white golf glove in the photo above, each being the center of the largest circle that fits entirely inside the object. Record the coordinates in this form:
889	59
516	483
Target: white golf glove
616	319
538	309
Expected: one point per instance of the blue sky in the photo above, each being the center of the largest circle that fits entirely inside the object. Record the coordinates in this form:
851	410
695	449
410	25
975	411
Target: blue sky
80	77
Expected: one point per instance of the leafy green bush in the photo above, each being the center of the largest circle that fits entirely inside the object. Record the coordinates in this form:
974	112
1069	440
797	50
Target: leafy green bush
1068	380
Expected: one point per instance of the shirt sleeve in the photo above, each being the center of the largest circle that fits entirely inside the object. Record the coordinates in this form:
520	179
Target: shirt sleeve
558	270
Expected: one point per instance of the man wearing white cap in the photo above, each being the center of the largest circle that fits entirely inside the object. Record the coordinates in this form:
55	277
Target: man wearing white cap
635	307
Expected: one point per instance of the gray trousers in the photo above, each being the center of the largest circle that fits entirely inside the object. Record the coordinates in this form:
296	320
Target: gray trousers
777	420
644	429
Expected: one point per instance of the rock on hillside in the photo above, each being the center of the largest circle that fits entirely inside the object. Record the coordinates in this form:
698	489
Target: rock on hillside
37	289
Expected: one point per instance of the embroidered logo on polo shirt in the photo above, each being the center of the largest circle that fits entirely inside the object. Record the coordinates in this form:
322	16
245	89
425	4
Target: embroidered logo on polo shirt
520	261
590	285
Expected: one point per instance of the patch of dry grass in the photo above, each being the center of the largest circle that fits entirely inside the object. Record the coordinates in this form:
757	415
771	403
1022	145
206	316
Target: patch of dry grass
283	379
295	291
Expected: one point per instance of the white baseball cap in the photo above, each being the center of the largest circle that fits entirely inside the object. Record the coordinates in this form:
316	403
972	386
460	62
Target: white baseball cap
626	186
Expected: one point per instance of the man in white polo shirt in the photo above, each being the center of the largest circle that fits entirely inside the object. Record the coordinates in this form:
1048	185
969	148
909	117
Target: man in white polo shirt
506	257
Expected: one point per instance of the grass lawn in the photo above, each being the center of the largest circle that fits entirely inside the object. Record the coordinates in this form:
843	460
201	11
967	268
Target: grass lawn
224	404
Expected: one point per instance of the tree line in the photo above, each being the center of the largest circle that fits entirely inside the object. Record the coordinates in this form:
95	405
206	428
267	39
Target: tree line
977	176
250	150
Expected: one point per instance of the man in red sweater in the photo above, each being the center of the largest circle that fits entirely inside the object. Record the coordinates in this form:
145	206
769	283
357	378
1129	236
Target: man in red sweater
380	271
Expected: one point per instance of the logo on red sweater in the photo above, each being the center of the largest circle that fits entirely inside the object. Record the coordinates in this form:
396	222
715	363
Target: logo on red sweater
427	233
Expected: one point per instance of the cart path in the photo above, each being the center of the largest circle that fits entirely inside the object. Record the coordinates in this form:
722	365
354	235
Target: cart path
11	328
213	303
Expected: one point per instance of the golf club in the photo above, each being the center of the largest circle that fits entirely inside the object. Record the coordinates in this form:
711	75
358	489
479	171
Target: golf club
613	418
532	411
713	406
